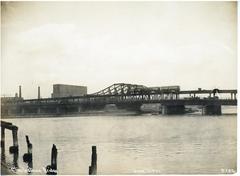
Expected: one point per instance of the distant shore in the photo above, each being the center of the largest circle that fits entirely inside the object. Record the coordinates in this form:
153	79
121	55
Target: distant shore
89	113
95	114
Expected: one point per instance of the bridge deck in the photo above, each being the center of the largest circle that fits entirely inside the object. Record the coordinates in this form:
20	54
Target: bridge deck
128	101
157	96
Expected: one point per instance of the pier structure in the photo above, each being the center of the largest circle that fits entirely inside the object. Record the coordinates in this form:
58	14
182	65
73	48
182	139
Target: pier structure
126	96
14	129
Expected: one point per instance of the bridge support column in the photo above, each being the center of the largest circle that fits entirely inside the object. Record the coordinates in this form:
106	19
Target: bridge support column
38	110
235	96
79	109
212	110
177	96
57	110
173	109
9	112
22	111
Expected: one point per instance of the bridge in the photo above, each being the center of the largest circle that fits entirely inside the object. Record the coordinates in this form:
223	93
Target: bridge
125	96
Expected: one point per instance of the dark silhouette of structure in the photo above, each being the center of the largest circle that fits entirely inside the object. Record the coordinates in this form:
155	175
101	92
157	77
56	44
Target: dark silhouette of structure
125	96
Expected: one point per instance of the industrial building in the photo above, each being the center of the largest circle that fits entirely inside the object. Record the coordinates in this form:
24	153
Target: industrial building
63	90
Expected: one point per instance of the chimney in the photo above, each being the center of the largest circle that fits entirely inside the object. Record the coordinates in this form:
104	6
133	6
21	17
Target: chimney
20	92
39	95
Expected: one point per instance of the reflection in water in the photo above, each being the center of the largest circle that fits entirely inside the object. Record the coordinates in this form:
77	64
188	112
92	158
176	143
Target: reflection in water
30	167
15	162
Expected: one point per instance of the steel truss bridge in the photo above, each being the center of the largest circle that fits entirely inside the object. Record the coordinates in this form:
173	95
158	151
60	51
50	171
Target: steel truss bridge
128	96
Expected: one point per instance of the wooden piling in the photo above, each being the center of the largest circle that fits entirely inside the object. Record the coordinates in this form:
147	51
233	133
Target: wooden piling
15	159
54	157
90	170
14	148
27	157
93	167
2	137
14	129
52	169
3	157
15	136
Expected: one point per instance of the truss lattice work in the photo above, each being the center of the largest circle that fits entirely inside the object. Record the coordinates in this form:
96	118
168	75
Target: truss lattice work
133	89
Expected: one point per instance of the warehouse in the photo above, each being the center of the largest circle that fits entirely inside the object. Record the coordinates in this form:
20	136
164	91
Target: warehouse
63	90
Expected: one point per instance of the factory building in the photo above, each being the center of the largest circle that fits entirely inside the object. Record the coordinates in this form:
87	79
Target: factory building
63	90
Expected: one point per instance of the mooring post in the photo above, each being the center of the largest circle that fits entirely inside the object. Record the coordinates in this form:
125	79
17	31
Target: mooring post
27	157
15	160
54	157
3	157
29	145
52	169
14	148
93	167
15	137
2	137
90	170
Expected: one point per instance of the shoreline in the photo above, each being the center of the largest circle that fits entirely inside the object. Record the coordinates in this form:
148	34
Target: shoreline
104	114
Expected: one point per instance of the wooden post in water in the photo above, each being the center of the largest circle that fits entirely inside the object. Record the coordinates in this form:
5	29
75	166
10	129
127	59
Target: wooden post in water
14	148
93	167
7	125
3	157
90	170
2	137
15	137
52	169
54	157
27	157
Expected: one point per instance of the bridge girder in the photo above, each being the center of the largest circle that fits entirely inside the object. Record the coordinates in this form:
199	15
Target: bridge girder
122	89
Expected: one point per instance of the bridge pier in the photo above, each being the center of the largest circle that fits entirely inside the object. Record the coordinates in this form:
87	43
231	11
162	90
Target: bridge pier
212	110
173	109
9	111
39	110
57	110
79	109
136	107
233	96
22	111
177	96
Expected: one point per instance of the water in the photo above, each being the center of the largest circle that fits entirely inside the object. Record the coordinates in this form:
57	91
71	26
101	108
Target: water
131	144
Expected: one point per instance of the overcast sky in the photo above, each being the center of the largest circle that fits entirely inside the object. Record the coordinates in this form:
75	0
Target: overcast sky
96	44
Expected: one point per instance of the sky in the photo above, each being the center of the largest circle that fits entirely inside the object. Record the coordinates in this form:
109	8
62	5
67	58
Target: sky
97	44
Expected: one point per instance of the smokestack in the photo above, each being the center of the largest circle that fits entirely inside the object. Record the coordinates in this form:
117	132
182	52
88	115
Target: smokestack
39	95
20	92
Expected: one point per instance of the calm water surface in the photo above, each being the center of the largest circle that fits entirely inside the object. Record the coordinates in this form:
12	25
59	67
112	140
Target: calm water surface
131	144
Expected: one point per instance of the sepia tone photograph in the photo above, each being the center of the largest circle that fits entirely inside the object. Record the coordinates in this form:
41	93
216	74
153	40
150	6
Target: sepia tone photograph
118	88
